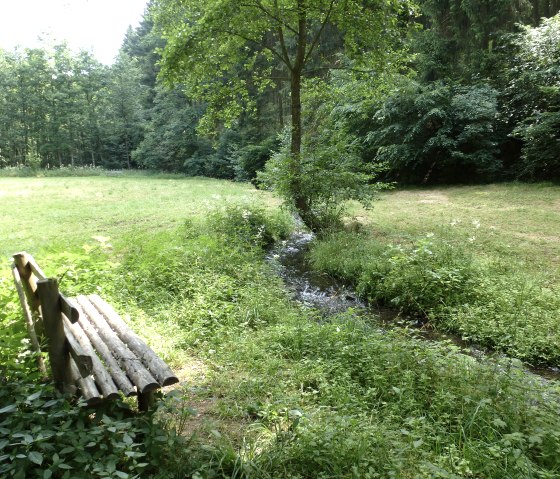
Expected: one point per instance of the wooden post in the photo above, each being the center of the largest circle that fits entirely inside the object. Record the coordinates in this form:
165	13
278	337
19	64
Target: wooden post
59	356
29	322
29	284
146	400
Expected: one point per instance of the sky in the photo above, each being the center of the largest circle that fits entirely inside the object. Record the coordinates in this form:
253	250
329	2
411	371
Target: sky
95	25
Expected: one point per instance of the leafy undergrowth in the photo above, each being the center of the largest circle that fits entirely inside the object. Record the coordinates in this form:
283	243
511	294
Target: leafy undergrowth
287	395
491	303
283	393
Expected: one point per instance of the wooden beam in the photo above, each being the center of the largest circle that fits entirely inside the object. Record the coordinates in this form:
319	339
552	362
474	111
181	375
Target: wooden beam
29	322
69	309
29	283
102	377
86	385
83	361
127	360
47	290
111	365
161	371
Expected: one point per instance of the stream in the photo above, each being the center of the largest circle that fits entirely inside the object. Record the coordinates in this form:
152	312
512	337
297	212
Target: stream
330	297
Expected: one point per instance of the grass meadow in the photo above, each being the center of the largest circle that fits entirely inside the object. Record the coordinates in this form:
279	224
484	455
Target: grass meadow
479	261
269	388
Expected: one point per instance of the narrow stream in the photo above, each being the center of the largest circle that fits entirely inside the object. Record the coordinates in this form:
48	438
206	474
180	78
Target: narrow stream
329	296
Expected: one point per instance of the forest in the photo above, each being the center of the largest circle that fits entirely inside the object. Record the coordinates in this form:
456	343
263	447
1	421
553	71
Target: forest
337	222
458	92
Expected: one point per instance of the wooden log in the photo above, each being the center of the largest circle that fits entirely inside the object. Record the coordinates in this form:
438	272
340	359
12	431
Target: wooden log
146	401
29	283
86	385
29	322
37	271
54	330
161	371
102	377
111	365
127	360
69	309
83	360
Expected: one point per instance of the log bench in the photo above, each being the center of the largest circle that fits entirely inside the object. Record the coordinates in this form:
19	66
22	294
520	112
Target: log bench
91	349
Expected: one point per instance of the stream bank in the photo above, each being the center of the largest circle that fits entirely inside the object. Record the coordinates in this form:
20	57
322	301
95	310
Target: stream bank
330	297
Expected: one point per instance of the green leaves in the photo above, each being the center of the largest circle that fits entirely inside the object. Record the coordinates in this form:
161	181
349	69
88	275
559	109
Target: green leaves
437	133
35	457
46	437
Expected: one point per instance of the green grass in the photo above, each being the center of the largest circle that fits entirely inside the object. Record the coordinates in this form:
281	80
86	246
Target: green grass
64	213
269	388
515	223
480	261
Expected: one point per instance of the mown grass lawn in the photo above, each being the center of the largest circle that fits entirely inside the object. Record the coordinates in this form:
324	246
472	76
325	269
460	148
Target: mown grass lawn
518	223
63	213
270	389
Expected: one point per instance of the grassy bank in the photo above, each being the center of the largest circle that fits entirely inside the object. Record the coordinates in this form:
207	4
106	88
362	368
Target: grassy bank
268	390
478	261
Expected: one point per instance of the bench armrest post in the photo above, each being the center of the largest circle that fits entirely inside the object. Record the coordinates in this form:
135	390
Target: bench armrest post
29	283
59	356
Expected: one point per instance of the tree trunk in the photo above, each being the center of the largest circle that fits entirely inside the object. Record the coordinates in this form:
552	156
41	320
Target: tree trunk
300	199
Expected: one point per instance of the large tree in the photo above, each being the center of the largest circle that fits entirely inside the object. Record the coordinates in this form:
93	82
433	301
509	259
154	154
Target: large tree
221	50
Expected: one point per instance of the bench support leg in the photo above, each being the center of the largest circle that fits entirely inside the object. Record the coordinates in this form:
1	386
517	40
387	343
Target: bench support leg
146	400
59	356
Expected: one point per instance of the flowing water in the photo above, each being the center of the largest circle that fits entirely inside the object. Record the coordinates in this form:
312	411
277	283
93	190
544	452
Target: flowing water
330	296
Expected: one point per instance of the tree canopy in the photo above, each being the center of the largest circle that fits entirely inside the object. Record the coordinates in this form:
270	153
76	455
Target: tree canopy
224	52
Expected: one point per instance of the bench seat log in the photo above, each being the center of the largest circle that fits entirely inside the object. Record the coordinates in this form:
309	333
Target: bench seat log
102	377
83	360
86	385
111	365
161	371
126	359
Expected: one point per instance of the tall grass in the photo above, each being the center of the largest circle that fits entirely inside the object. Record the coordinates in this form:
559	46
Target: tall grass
268	390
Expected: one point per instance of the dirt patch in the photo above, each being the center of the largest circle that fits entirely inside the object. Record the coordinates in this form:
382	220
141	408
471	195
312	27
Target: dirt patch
433	198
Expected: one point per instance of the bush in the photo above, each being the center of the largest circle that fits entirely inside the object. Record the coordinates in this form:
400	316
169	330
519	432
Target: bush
437	133
250	225
534	97
251	158
421	279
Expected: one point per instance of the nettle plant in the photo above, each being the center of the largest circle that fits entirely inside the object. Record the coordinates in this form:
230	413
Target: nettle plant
422	278
45	435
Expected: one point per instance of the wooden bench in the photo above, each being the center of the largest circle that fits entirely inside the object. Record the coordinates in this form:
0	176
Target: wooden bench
91	349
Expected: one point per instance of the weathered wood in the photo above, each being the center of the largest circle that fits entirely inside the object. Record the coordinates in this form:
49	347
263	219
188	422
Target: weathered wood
126	359
69	309
81	358
29	322
89	345
161	371
37	271
86	385
54	330
112	366
29	283
102	377
146	401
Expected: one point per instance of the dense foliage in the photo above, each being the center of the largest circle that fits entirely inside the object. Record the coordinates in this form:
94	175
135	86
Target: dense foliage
467	94
437	133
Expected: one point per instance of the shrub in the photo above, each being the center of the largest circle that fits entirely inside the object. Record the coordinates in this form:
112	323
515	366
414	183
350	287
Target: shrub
437	133
534	96
250	225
